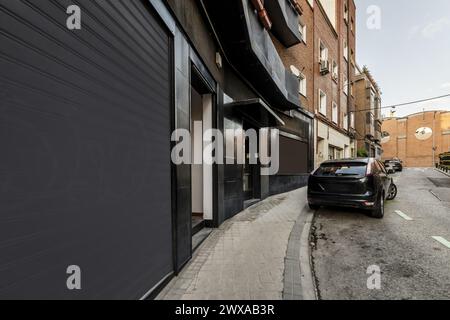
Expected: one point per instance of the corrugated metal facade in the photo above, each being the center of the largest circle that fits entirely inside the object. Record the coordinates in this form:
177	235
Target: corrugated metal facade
85	170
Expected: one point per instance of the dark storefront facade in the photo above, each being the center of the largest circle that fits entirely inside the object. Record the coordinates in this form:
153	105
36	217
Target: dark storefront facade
88	117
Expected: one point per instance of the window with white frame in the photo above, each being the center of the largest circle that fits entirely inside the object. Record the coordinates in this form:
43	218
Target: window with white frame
323	52
334	116
302	80
335	70
345	86
346	13
295	71
345	50
345	122
322	102
302	29
352	120
302	88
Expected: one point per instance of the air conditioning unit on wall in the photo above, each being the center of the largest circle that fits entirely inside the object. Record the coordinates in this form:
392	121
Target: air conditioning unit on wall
324	67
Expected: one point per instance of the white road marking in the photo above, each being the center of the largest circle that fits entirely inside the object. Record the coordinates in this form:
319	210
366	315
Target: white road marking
442	241
404	216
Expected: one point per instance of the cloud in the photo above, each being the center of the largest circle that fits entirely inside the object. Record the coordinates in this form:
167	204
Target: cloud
430	30
445	85
435	27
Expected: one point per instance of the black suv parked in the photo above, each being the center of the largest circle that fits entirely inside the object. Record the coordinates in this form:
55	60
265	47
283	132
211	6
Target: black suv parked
357	183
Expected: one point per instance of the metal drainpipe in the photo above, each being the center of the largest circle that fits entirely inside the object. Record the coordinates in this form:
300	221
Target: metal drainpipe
350	81
434	139
316	120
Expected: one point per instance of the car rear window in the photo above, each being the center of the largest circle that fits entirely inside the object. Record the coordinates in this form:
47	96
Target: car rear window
341	169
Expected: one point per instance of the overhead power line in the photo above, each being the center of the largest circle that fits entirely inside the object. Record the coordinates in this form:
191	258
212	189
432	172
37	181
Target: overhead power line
407	103
417	101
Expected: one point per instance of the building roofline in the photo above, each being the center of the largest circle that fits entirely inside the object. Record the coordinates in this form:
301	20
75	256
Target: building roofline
415	114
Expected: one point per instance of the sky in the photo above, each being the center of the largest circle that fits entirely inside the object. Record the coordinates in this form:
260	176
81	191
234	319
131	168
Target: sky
409	55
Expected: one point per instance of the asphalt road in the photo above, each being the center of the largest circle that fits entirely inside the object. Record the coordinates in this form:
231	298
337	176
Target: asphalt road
413	265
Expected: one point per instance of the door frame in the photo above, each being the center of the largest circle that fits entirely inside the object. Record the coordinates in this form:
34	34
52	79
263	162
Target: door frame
198	67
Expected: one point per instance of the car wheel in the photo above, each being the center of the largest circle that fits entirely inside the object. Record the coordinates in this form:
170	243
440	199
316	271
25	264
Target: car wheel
378	212
392	192
313	207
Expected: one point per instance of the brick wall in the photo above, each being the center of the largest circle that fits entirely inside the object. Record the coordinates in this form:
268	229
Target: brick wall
402	142
360	116
305	56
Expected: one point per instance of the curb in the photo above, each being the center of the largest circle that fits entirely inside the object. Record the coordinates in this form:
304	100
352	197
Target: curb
448	175
299	281
308	283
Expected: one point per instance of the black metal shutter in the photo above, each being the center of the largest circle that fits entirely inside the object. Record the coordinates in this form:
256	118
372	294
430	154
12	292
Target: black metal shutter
293	156
85	149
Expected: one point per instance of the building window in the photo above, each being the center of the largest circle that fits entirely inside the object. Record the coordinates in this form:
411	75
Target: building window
346	13
334	153
323	52
302	88
335	70
378	108
352	24
302	29
322	102
372	101
345	122
331	153
334	116
346	86
352	120
345	50
302	80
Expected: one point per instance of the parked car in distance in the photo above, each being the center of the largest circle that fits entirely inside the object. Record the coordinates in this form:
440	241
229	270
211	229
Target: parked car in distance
396	163
357	183
389	168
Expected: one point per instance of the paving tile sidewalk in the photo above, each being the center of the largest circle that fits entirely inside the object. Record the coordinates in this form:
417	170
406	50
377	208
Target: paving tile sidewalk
245	258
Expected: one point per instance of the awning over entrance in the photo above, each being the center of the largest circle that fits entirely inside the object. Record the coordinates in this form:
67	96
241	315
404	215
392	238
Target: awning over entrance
255	111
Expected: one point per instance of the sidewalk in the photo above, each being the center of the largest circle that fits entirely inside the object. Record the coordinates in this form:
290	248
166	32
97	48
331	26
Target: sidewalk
246	257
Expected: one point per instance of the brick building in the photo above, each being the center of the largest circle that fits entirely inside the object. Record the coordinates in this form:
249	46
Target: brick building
325	65
368	115
417	139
